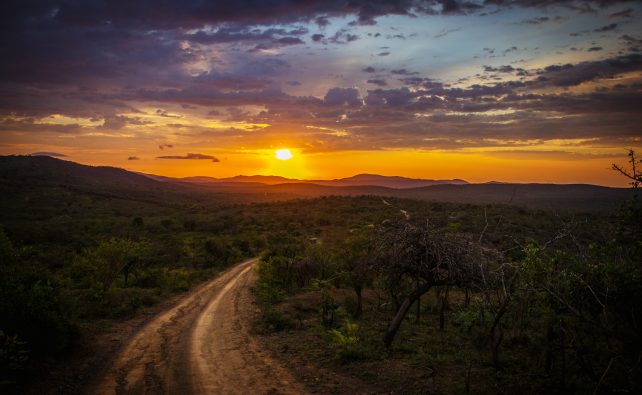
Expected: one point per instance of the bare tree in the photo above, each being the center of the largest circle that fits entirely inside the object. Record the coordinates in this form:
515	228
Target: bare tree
423	257
633	173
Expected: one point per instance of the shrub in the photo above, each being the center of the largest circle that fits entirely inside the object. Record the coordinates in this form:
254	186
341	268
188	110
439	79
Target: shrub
347	343
13	357
276	321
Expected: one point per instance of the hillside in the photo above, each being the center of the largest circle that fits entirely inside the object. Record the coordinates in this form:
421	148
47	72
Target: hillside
23	173
394	182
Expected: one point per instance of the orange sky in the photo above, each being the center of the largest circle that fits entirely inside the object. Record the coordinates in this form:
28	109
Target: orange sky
473	167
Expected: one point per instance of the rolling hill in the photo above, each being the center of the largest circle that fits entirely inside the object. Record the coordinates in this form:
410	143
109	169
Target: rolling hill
20	173
357	180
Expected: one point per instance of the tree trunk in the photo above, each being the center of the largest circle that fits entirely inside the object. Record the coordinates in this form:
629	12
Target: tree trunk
401	313
442	309
359	310
496	332
418	312
548	359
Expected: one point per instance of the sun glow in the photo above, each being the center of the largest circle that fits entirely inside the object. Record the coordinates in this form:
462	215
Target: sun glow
283	154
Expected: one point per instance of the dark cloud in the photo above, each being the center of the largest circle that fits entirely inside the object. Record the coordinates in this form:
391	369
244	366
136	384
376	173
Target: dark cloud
594	49
606	28
190	156
634	44
115	122
500	69
101	59
445	32
133	158
46	153
627	13
377	81
343	36
242	34
163	146
575	74
536	20
343	97
403	72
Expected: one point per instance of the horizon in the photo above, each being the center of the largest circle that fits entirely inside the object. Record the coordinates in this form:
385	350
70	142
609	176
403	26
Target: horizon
626	186
517	92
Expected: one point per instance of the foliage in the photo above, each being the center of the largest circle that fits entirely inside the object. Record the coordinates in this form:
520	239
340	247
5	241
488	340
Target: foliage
347	342
570	321
13	357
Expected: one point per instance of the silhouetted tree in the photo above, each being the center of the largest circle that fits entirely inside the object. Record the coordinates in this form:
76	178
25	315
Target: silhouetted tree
424	257
633	173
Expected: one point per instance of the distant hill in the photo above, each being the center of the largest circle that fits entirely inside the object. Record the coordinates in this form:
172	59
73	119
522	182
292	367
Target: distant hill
387	181
358	180
41	175
49	170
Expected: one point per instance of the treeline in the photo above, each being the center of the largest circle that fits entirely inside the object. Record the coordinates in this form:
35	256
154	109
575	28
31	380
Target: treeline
552	308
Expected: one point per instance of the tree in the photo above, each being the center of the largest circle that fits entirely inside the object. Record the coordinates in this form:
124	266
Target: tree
112	257
633	173
423	257
357	256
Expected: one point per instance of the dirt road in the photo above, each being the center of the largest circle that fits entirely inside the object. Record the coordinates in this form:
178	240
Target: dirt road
200	346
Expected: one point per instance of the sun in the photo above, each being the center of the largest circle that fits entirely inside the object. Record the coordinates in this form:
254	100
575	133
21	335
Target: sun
283	154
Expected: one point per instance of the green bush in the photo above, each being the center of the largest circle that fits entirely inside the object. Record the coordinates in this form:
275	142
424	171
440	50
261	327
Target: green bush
276	321
347	343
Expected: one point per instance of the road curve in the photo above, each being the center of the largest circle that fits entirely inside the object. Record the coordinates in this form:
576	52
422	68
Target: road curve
200	346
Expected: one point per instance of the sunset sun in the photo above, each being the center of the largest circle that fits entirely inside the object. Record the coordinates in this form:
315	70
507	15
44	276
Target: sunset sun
283	154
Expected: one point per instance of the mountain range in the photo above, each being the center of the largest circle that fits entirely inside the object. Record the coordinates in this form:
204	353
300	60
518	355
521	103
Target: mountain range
357	180
42	174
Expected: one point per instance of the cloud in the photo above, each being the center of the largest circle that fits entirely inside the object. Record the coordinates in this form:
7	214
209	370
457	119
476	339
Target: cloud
535	21
377	81
133	158
46	153
197	59
343	97
403	72
626	13
574	74
445	32
163	146
606	28
500	69
190	157
116	122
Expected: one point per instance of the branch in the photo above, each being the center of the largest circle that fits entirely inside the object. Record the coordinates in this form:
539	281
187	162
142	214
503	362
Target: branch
485	227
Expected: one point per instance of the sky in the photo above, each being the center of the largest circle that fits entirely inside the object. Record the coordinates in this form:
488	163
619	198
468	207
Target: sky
482	90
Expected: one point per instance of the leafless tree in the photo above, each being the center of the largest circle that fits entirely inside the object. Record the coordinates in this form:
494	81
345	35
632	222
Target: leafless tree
633	174
424	257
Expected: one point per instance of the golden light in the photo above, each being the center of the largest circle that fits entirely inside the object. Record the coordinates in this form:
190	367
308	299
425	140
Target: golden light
283	154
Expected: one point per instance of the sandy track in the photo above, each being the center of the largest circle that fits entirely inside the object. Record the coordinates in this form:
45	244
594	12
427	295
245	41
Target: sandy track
200	346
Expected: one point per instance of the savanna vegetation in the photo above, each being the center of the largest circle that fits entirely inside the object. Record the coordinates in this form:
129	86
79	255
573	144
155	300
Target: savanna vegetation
403	295
463	299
